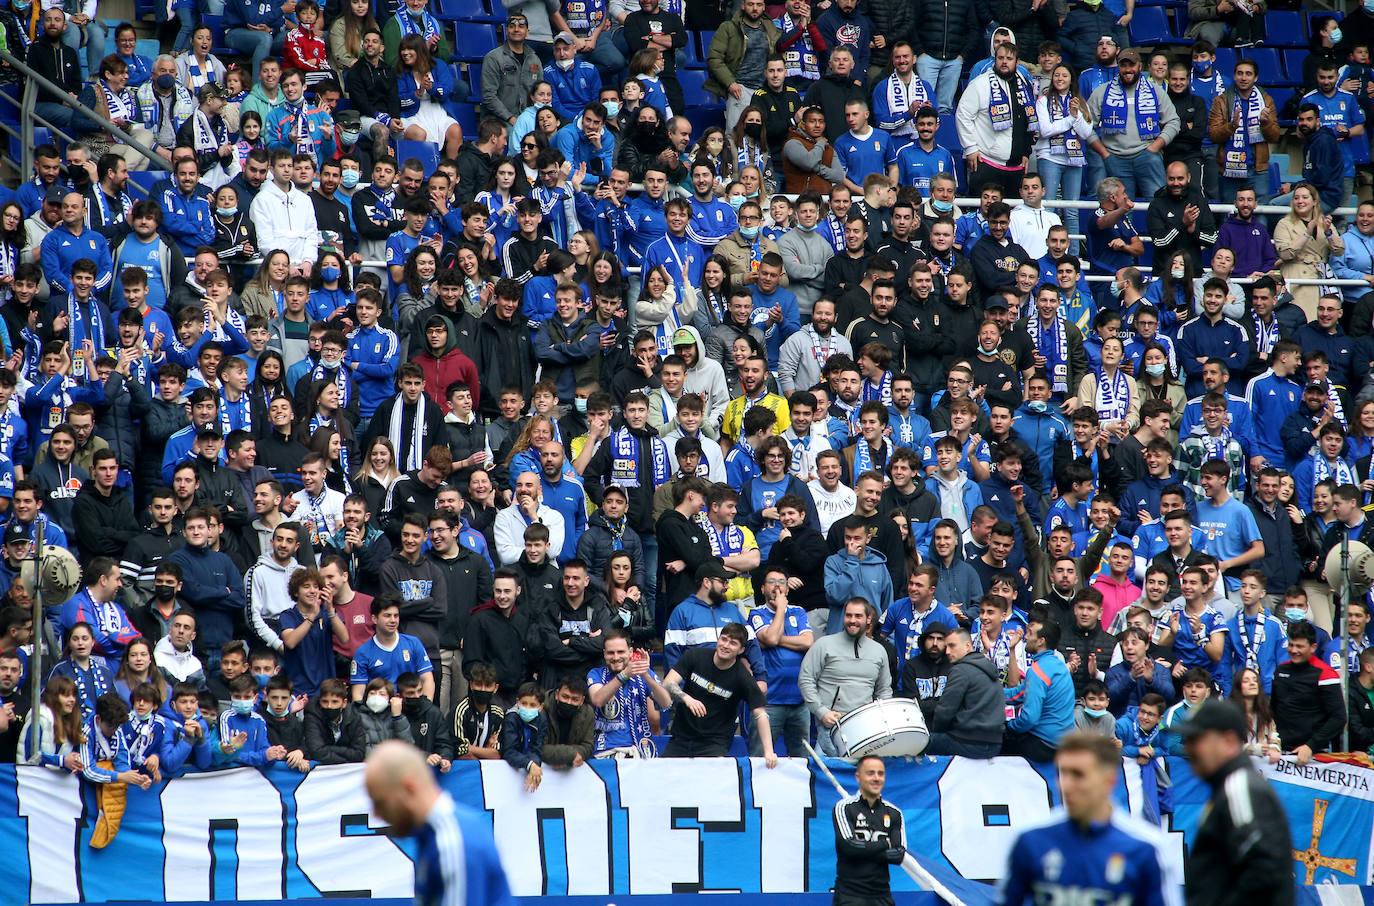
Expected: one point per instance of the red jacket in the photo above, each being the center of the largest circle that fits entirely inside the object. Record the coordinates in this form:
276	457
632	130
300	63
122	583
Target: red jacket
444	370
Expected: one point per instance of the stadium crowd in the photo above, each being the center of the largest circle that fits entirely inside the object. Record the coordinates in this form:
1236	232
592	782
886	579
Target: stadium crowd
655	394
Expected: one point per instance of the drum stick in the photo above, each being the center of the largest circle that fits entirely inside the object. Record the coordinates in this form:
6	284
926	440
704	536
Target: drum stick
909	863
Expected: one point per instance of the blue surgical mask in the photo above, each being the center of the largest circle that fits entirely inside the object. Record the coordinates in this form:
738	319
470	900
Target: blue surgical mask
1155	369
527	714
580	403
226	212
1336	33
242	707
1037	405
751	232
349	179
736	201
942	207
282	713
804	228
612	109
142	718
1095	712
262	679
1116	289
330	274
1297	614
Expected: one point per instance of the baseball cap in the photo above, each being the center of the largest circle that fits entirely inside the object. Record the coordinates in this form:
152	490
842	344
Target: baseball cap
1128	55
1221	716
564	37
996	301
55	194
713	569
210	90
683	337
1315	387
16	533
209	430
936	628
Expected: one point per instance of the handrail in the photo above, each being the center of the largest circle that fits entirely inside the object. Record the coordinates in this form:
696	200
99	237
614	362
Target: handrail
27	115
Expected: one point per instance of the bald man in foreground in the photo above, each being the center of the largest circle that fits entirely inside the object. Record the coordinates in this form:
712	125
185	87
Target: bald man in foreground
456	862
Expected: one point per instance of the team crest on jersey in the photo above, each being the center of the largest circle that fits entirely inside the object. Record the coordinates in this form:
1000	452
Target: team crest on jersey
1116	868
405	655
1007	356
1052	865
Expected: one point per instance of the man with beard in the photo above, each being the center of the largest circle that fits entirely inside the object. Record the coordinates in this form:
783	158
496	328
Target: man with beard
1193	114
927	671
1138	124
805	352
1247	237
843	671
1243	123
1179	217
994	117
56	62
1321	159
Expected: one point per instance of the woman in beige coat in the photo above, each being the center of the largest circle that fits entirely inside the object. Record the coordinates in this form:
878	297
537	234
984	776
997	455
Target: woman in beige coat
1305	241
1112	392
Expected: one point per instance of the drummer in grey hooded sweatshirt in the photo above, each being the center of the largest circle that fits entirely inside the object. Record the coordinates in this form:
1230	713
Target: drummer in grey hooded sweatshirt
843	671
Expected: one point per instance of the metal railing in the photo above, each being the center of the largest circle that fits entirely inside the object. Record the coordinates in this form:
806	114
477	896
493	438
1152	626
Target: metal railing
33	83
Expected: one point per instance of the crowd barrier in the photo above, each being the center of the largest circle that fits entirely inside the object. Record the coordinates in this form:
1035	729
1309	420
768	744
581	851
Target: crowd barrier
608	830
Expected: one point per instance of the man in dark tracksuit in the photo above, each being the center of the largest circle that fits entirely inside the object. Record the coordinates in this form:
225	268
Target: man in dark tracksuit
1241	852
869	836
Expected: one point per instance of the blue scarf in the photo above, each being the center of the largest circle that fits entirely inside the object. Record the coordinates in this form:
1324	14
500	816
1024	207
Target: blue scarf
1146	110
408	26
237	415
1114	397
342	378
1054	346
881	391
315	424
625	459
863	457
83	323
1066	143
999	104
1240	151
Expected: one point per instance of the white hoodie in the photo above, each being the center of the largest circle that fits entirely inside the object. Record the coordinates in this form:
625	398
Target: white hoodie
707	377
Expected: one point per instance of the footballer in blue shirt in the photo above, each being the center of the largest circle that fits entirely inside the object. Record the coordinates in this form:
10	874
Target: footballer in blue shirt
456	862
1090	851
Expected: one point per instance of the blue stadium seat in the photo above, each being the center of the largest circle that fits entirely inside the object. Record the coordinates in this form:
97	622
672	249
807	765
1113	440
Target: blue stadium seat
693	90
703	117
141	181
426	153
463	10
145	47
1151	26
1270	65
696	59
1226	62
466	116
216	24
144	8
1281	96
1285	28
703	42
478	38
475	83
1293	58
9	103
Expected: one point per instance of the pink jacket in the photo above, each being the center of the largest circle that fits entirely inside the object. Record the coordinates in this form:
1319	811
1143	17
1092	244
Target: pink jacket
1116	596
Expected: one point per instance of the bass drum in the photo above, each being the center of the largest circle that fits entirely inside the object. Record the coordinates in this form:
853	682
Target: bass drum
889	728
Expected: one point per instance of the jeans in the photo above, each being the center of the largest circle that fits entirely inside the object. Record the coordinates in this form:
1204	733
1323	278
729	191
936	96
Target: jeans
1062	181
607	58
943	75
257	44
825	743
1142	175
790	722
213	7
1259	182
59	115
186	16
650	544
94	33
1094	171
944	744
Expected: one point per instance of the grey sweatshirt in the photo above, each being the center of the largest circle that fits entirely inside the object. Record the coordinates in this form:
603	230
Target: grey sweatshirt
1129	143
840	674
804	256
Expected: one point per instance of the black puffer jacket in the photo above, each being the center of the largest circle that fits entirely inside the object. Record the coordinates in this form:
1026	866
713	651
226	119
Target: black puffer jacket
126	403
505	357
896	21
948	29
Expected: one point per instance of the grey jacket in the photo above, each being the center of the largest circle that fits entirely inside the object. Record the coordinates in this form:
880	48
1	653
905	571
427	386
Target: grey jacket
804	256
840	674
506	81
972	708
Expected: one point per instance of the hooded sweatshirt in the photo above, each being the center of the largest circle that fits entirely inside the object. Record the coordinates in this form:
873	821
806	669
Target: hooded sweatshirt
268	596
958	497
707	377
841	673
971	709
847	576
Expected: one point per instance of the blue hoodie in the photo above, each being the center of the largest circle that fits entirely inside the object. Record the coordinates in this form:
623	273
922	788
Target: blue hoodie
1143	494
576	147
254	751
376	352
847	576
211	584
1042	430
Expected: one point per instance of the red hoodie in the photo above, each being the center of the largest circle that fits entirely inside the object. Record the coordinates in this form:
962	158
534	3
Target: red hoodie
444	370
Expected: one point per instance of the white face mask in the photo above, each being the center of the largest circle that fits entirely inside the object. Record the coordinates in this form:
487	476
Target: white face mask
565	65
377	703
1176	273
